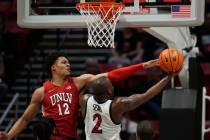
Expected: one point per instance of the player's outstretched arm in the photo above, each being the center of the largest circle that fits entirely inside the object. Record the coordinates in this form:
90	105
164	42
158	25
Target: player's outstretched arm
117	74
125	104
124	72
138	99
27	116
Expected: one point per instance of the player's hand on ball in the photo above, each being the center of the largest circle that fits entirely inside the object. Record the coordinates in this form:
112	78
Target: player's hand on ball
151	63
173	74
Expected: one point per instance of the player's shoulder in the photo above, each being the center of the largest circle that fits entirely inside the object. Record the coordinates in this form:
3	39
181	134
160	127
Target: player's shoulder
119	104
39	90
117	110
38	94
119	100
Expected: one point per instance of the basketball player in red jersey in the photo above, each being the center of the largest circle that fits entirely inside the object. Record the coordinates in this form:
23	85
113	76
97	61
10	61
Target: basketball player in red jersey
103	114
59	96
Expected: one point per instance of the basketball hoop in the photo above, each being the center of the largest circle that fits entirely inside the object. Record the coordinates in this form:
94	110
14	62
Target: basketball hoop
101	19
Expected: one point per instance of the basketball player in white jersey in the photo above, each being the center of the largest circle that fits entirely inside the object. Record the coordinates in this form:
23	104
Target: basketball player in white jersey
102	114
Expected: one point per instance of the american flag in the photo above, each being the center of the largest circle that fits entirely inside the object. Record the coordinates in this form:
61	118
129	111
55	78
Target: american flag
181	11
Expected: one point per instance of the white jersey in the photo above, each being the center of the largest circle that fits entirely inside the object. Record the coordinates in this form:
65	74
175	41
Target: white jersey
98	122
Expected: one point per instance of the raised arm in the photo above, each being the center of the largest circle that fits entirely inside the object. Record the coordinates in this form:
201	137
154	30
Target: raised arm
115	75
27	116
125	104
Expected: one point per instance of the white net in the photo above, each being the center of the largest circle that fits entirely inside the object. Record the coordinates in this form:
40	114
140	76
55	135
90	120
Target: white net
101	19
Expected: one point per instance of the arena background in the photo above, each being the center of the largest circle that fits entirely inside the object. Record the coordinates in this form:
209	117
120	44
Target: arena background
23	51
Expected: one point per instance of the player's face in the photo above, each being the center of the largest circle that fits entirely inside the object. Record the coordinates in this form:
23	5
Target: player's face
61	66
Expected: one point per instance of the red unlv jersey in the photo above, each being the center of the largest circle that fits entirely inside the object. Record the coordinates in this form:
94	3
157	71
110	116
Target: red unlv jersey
61	104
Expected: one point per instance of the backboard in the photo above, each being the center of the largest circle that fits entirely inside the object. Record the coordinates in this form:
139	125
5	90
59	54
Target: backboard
137	13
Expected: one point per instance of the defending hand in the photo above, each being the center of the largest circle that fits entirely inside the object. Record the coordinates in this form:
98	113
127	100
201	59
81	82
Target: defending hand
150	64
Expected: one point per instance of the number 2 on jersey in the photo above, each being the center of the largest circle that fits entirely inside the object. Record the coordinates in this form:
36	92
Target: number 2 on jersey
96	128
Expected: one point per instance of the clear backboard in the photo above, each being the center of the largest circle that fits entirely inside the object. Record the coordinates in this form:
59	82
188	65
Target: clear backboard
137	13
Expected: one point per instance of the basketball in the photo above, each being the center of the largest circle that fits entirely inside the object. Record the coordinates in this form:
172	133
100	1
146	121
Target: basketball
171	60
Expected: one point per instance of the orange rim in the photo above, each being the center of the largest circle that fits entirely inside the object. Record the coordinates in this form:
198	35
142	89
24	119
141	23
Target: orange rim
98	5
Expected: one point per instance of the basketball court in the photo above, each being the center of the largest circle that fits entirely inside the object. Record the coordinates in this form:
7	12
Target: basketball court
168	20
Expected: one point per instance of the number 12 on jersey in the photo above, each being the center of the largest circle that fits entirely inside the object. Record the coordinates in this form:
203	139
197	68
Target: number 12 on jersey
64	109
